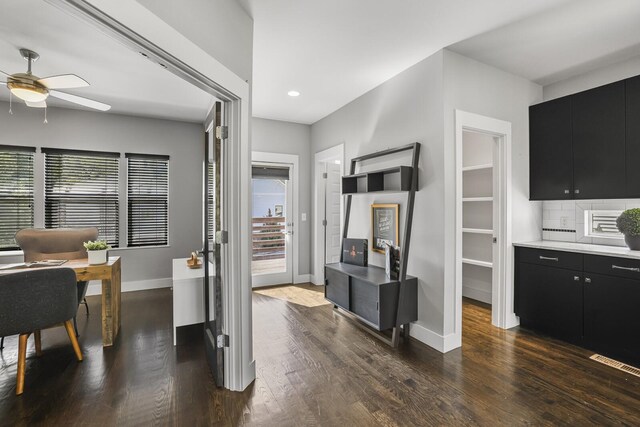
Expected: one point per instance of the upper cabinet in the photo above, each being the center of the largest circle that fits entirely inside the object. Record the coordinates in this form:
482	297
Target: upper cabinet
599	143
582	146
551	156
633	137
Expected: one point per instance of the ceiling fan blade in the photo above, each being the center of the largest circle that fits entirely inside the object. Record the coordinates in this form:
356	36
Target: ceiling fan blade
80	100
41	104
65	81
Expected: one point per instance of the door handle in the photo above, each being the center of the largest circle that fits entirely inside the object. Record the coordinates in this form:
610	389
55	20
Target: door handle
549	258
587	280
617	267
289	233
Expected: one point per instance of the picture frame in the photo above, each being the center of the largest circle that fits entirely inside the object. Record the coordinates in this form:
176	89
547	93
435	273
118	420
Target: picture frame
384	226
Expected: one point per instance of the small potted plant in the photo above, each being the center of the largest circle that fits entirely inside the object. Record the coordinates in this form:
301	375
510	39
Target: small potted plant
97	251
629	224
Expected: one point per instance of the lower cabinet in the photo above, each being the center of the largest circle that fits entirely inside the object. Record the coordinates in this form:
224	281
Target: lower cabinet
595	306
370	295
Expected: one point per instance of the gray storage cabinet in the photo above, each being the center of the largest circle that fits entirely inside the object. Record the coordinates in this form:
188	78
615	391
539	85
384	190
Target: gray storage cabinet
369	294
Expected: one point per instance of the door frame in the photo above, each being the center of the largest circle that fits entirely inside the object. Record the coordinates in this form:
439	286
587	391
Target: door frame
333	153
294	161
142	31
502	314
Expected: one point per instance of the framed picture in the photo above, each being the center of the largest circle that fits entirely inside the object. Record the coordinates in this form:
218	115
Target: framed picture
384	226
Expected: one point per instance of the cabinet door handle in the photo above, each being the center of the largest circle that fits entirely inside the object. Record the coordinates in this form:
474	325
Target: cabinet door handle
549	258
577	191
587	280
617	267
576	278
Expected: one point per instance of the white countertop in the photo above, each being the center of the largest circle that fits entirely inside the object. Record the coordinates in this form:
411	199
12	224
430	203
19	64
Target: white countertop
585	248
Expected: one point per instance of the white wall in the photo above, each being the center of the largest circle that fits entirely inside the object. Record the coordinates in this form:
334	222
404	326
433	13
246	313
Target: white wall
601	76
478	88
220	27
183	142
405	109
274	136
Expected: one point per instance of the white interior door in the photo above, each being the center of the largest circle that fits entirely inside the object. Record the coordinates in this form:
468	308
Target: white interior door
272	224
332	234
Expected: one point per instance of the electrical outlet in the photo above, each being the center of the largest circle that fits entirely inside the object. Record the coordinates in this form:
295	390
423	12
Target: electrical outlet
564	221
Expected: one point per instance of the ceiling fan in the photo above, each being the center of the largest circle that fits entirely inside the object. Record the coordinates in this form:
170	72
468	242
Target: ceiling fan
34	90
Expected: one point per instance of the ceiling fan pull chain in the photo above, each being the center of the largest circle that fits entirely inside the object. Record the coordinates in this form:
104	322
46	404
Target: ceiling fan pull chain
10	99
45	116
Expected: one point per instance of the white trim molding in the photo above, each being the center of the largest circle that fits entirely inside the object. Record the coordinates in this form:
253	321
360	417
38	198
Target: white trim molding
442	343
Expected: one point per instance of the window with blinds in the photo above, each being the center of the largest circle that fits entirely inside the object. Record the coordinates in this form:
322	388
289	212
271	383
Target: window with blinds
81	190
602	223
148	200
16	193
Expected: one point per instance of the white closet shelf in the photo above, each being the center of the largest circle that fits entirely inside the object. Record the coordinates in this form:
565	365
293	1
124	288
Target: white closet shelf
477	167
477	199
477	230
477	262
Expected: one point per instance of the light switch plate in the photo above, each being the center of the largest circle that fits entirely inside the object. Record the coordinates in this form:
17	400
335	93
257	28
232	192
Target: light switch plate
303	217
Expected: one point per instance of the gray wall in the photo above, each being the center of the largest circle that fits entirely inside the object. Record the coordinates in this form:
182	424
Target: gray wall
405	109
274	136
595	78
183	142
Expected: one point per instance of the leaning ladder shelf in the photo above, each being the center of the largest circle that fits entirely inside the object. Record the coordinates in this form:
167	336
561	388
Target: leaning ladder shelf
395	179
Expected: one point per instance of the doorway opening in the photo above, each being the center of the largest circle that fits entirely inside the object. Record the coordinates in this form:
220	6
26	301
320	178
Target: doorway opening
329	168
484	260
274	257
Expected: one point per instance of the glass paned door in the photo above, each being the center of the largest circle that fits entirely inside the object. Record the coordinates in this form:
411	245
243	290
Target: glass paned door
272	224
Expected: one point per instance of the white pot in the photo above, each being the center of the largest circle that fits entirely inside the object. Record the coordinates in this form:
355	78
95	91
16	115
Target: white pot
97	257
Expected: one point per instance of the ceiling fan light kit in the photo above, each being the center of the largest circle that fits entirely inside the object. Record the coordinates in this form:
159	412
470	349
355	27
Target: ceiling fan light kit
34	90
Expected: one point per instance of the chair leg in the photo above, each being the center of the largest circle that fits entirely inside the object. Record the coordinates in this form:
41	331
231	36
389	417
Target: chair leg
38	341
86	306
74	341
1	343
22	359
75	326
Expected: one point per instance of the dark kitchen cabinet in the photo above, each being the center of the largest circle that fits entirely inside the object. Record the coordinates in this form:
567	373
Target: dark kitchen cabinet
551	155
550	300
633	136
598	120
611	316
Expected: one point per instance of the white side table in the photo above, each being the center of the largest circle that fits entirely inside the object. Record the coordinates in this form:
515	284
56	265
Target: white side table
188	294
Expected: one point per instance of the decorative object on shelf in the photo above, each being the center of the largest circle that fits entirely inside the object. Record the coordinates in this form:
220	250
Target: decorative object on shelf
355	251
629	224
96	251
279	210
194	261
384	226
392	261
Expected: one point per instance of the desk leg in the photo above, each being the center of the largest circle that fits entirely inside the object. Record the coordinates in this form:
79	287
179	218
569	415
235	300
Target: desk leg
111	306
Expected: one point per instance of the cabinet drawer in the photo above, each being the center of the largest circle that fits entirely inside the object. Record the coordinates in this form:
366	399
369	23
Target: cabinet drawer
612	266
364	300
336	288
559	259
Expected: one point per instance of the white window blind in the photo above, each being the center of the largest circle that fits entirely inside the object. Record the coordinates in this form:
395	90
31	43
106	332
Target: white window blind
602	223
16	193
147	199
81	190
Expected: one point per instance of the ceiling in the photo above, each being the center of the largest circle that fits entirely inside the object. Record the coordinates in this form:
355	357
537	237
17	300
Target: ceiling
571	39
130	83
333	51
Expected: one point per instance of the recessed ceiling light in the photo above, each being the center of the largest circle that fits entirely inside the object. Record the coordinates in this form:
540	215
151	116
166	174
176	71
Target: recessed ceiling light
293	93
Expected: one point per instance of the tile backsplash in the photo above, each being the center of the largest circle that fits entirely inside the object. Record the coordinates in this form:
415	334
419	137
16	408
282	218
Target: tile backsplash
564	220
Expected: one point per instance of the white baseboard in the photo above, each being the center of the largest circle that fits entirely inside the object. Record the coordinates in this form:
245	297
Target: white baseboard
476	294
95	286
442	343
302	278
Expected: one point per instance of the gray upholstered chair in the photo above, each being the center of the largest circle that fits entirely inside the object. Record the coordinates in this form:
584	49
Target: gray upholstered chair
33	300
57	243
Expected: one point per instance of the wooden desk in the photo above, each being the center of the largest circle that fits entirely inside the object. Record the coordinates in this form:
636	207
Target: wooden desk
109	273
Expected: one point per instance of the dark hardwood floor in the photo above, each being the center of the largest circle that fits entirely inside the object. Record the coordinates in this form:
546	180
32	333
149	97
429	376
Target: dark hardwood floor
314	367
